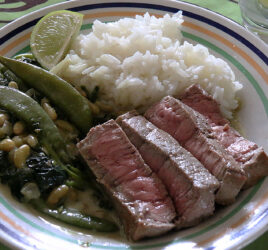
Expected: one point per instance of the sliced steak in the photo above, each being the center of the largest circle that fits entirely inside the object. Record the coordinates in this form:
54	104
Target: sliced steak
192	131
189	184
139	196
253	158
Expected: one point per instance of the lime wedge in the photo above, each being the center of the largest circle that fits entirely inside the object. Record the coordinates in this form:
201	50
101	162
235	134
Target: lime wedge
52	36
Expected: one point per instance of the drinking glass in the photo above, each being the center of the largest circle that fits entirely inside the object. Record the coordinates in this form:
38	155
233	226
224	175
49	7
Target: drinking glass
255	17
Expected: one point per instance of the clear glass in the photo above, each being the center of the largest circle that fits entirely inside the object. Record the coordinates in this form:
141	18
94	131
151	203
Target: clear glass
255	17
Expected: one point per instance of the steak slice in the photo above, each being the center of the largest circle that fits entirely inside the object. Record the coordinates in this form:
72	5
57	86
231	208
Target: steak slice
192	131
139	196
189	184
253	158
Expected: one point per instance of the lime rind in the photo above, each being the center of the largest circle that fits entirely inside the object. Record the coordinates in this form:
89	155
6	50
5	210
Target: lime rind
53	35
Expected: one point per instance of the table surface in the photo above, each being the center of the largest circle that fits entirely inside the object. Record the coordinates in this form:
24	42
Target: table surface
12	9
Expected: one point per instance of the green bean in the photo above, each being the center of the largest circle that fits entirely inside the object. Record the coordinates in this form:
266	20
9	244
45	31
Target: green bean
76	177
29	111
60	93
75	218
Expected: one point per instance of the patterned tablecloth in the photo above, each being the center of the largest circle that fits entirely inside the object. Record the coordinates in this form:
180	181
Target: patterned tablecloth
13	9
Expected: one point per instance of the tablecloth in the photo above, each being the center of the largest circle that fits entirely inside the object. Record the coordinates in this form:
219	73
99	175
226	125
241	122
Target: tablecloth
13	9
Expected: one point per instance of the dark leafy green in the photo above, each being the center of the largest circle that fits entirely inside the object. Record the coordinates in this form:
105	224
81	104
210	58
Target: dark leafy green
41	170
46	174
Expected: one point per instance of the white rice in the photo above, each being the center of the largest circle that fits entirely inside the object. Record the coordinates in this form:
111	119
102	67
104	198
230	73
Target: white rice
137	61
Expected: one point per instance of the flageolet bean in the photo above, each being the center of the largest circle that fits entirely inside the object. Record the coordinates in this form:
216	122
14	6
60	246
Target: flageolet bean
44	100
18	128
7	145
3	118
72	194
65	125
18	140
31	140
57	194
30	92
13	84
50	111
21	155
6	129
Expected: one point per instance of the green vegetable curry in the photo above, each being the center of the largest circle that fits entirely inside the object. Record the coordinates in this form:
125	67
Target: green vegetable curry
42	117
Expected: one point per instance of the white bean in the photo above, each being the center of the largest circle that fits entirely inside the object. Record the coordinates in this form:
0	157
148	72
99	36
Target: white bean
57	194
13	84
18	128
31	140
18	140
21	155
50	111
6	129
3	118
7	145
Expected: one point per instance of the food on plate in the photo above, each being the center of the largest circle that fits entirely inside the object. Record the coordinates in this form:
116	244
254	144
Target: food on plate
38	157
253	158
193	132
142	202
189	184
137	61
161	166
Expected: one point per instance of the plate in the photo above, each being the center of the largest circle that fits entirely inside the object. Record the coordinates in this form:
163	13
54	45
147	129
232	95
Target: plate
231	227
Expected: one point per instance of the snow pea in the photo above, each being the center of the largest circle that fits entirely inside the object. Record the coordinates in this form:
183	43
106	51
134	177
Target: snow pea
62	94
28	110
75	218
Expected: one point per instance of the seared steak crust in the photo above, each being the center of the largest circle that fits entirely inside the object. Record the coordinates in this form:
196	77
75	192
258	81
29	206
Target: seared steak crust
193	132
189	184
253	158
139	196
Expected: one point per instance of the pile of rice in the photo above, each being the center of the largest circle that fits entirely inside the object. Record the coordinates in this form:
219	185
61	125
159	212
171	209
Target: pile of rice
137	61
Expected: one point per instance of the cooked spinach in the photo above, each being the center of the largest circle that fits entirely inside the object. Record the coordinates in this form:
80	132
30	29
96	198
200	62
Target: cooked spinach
47	175
15	178
40	170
